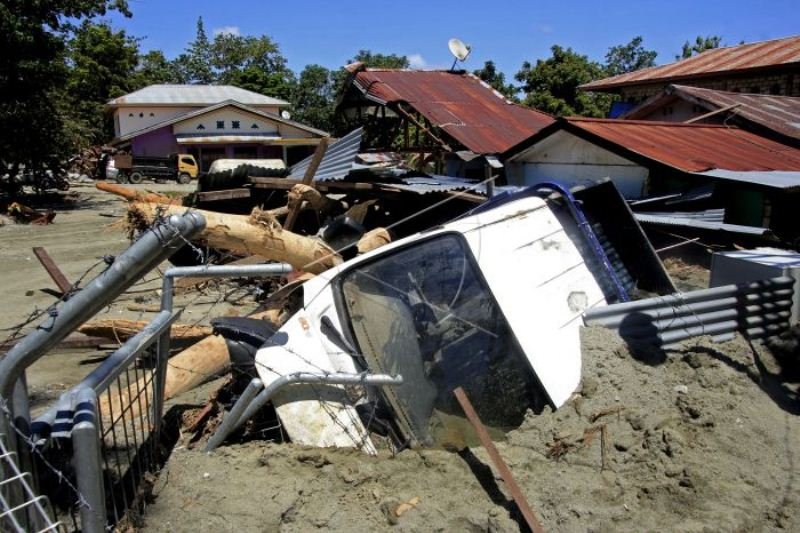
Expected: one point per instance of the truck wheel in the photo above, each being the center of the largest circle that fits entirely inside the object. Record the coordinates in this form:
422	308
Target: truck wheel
184	179
136	177
122	177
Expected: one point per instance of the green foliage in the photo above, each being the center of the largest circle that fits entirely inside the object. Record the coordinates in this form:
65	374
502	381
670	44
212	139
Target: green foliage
552	84
103	64
154	68
629	57
701	44
194	64
313	97
374	60
33	74
497	80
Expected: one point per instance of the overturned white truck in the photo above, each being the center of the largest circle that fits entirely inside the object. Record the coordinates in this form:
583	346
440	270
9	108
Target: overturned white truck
490	302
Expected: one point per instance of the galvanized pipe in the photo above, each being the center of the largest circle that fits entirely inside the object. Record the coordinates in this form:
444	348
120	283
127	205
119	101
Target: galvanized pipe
780	286
218	271
669	323
228	423
756	304
86	460
153	247
105	373
305	378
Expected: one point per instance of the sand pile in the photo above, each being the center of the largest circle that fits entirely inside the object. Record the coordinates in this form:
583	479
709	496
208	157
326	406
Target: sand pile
706	438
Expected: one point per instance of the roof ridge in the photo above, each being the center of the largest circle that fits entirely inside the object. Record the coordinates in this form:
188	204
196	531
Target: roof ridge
647	123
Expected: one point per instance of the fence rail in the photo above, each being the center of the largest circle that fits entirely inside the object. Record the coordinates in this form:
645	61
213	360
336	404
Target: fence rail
756	310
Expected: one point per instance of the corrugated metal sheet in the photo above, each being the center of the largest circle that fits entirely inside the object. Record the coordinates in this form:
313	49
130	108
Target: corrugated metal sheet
780	114
693	147
700	220
758	309
730	59
462	105
204	95
336	163
199	139
774	178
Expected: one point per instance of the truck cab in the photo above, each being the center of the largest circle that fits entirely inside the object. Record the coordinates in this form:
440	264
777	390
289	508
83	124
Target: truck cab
186	166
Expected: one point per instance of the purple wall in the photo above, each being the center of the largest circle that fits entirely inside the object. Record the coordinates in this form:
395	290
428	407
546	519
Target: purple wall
157	143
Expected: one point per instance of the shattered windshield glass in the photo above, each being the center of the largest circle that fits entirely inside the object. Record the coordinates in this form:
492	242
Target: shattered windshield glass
426	313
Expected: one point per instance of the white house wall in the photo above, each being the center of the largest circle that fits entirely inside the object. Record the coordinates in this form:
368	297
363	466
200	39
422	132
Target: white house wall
134	118
569	159
227	115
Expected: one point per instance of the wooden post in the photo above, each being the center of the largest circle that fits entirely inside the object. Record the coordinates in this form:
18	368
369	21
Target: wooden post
308	177
52	269
505	472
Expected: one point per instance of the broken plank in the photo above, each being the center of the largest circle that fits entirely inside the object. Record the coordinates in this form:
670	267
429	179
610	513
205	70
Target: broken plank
227	194
52	269
73	342
308	178
322	186
499	463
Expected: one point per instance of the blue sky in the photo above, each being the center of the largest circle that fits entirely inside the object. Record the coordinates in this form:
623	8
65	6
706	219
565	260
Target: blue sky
329	33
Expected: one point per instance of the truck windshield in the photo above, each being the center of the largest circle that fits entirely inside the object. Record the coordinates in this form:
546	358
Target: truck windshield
426	313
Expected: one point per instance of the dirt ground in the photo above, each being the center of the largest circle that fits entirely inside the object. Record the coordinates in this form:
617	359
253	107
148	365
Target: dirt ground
705	438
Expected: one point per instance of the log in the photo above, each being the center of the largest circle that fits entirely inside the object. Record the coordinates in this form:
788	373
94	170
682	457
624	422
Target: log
190	368
373	239
133	195
254	235
121	329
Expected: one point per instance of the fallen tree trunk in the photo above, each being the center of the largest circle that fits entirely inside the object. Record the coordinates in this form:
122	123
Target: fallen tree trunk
133	195
193	366
254	235
121	329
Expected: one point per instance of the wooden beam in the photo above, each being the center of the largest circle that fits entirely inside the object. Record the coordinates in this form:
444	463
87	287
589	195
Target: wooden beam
423	128
52	269
74	341
308	178
227	194
284	183
497	459
712	113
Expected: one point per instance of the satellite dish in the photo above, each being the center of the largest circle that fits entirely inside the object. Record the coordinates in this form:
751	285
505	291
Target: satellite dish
459	50
286	115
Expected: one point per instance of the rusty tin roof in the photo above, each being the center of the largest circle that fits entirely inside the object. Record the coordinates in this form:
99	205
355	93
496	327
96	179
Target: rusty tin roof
730	59
686	147
460	104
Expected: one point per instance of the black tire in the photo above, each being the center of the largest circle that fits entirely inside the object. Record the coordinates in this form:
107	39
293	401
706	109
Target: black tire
122	177
184	179
136	177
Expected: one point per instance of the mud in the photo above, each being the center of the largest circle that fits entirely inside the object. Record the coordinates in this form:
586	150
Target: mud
708	440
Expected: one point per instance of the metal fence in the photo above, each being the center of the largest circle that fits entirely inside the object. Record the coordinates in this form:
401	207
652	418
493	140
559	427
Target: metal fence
756	310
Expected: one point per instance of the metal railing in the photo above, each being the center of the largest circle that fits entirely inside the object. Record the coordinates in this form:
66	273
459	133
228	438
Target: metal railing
756	310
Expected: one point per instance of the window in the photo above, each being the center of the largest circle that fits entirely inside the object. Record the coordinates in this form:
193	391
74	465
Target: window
130	114
220	124
775	89
187	161
235	124
200	127
152	114
254	126
141	115
755	90
440	327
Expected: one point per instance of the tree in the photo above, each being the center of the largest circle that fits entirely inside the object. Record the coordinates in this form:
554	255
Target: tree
154	68
701	44
373	60
194	64
552	84
497	80
252	63
629	57
33	72
102	66
313	97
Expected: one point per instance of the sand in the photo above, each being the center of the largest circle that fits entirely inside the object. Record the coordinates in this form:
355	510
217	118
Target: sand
707	440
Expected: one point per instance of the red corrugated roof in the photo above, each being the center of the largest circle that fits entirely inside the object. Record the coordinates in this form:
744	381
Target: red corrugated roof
693	147
467	109
778	52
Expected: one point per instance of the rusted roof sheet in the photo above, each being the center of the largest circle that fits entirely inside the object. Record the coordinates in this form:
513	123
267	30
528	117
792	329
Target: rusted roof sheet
765	54
777	113
469	110
691	147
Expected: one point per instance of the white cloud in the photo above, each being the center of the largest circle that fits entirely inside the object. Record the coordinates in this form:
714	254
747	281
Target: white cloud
544	28
227	30
417	61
